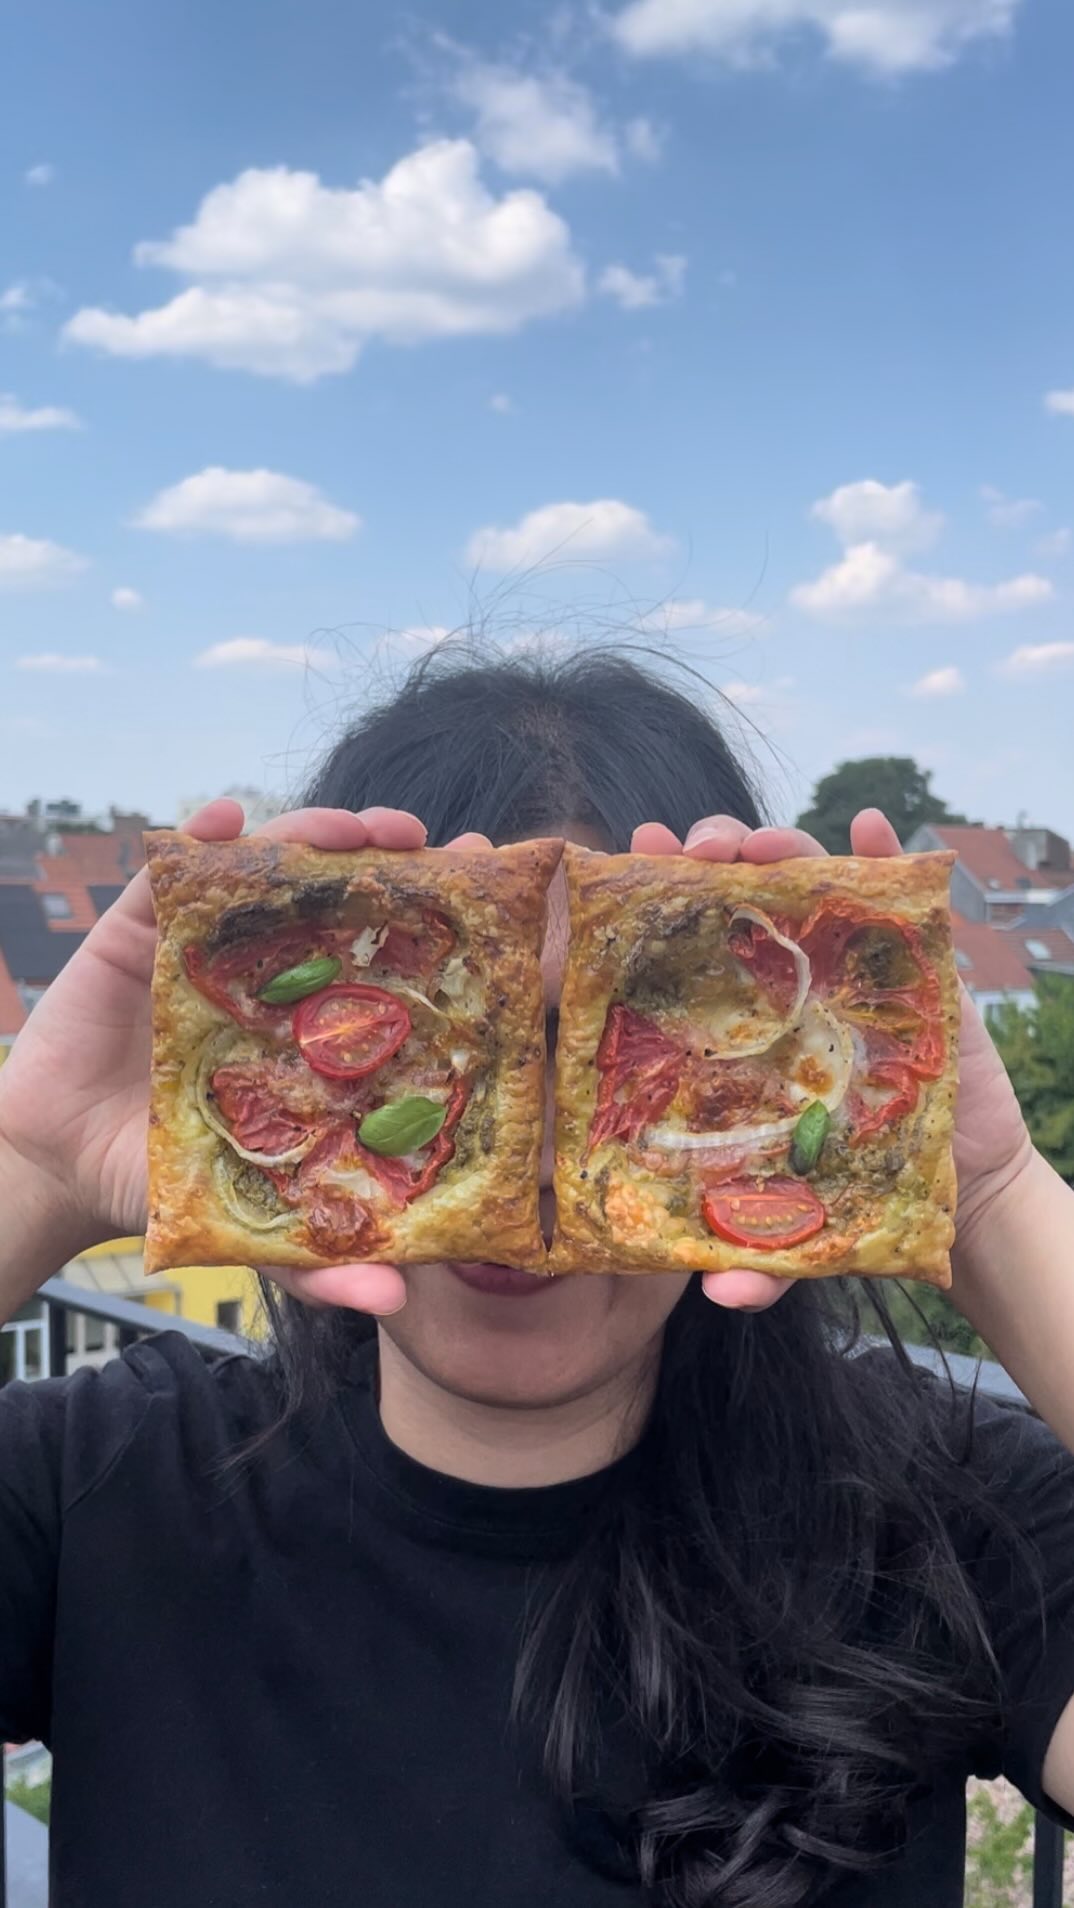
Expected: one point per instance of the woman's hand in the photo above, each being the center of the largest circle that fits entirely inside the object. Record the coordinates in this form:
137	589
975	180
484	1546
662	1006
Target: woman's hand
991	1144
74	1093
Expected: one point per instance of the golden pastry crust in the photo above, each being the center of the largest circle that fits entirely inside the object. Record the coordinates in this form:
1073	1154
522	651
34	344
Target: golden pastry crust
889	1197
207	1205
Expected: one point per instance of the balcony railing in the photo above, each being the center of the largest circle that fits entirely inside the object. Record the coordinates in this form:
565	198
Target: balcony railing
136	1321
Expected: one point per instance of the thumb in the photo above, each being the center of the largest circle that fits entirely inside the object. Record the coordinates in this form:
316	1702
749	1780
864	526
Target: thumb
378	1289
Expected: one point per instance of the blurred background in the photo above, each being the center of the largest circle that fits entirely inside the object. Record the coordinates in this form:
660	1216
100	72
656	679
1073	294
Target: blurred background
742	330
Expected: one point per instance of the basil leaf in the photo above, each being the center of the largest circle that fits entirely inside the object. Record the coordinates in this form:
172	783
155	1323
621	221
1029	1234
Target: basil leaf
809	1136
296	982
402	1126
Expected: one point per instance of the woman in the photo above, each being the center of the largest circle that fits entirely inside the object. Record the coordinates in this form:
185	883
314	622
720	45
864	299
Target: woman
591	1591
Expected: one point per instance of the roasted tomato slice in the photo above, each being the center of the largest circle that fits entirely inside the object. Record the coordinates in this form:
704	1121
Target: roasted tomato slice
256	1118
403	1182
347	1032
772	965
640	1068
232	978
767	1214
412	953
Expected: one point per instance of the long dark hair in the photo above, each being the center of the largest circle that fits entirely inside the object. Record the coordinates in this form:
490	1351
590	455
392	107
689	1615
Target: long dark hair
772	1614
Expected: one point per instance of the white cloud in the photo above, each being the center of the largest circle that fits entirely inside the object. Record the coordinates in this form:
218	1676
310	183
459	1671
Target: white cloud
948	681
768	706
426	634
643	140
881	37
124	598
1008	513
15	301
605	530
1061	402
499	401
42	175
293	277
635	290
1037	659
539	126
28	563
1055	543
255	652
249	506
692	612
878	524
47	417
871	583
52	664
890	515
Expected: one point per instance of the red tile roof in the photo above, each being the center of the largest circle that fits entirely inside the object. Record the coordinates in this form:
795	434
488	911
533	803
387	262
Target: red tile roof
999	960
987	855
84	862
1059	943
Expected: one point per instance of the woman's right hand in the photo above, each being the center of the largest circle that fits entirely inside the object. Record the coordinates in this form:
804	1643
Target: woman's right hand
74	1093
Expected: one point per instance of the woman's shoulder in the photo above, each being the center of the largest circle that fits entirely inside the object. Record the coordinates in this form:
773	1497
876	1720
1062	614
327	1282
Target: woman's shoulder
982	1450
160	1400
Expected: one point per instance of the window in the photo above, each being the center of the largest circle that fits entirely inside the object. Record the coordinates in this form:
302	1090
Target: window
23	1346
94	1338
1038	951
229	1315
56	906
962	959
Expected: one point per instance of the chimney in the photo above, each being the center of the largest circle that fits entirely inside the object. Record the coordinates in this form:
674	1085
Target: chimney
1040	848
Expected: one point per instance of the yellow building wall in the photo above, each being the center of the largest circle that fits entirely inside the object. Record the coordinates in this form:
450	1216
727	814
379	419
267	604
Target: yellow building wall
195	1291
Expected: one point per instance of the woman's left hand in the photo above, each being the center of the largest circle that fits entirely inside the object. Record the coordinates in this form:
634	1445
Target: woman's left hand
991	1142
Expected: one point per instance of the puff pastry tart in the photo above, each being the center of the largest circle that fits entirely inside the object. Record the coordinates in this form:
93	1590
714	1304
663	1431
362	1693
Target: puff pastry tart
756	1066
348	1053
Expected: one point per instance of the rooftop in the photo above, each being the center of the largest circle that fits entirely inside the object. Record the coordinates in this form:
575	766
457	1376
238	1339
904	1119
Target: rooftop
988	855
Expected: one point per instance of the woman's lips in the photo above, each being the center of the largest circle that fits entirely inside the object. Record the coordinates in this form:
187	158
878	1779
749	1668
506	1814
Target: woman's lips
502	1281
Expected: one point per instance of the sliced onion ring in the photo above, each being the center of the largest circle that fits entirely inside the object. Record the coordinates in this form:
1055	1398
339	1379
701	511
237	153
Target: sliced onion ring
244	1210
407	991
209	1059
817	1023
801	968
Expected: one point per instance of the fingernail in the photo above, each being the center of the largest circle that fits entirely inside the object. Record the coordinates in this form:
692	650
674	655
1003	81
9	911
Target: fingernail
704	831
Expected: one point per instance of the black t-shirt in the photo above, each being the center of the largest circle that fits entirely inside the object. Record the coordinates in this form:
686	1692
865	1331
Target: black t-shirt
288	1682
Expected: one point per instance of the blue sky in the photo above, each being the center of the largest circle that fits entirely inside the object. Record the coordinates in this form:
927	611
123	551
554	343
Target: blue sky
321	325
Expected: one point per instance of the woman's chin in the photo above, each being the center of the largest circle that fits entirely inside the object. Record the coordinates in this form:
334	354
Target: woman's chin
520	1340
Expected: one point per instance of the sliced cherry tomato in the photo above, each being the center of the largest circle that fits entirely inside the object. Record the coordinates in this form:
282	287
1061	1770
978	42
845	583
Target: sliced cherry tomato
413	953
768	1214
640	1069
347	1032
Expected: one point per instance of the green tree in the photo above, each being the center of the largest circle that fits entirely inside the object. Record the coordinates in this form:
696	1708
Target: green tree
891	782
1036	1045
34	1797
999	1858
925	1316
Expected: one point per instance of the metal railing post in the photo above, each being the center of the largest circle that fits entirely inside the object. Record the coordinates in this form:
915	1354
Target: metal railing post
57	1338
1048	1842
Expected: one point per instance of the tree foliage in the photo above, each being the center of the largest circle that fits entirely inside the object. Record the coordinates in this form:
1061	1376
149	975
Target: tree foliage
891	782
1036	1045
